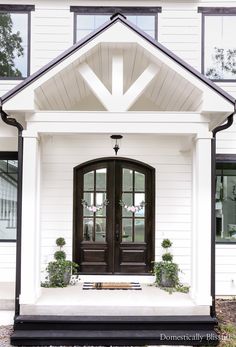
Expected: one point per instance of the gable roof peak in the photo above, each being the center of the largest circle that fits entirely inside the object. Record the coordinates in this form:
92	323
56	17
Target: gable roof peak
118	15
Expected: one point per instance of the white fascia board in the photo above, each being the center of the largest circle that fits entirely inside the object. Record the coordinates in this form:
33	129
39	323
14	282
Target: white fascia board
62	127
115	117
117	33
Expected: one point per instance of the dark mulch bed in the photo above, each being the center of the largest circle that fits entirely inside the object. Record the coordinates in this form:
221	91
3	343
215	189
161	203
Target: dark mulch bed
226	311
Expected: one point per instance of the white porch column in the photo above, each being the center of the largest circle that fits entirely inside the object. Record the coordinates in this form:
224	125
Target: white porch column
201	237
30	254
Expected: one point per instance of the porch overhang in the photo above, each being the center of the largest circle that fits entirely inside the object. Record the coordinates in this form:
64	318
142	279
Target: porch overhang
118	68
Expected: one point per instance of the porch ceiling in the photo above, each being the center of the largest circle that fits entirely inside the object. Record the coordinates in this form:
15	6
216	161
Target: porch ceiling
148	83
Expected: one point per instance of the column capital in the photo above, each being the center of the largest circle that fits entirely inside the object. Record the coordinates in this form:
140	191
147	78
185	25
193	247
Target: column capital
206	136
30	134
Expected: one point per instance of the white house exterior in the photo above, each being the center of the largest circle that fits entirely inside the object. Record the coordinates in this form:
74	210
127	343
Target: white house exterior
117	80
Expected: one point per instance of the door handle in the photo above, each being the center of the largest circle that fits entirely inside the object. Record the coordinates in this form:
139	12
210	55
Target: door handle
117	232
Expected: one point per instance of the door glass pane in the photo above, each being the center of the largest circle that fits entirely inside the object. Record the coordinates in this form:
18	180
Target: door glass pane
139	182
89	181
88	204
101	179
88	229
139	200
139	228
127	200
127	229
100	204
100	229
127	180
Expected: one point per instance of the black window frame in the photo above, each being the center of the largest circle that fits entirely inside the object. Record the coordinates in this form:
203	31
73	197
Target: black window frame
108	10
24	9
228	160
8	156
213	11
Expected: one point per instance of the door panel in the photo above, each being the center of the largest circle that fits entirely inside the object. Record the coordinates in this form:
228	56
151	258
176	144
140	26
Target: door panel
113	217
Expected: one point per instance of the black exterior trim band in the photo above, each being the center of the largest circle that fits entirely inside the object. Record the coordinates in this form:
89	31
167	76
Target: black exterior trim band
217	10
16	8
142	10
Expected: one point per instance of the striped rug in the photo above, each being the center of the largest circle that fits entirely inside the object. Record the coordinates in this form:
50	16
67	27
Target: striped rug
112	285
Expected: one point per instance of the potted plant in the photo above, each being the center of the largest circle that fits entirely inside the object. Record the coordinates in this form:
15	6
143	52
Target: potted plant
60	269
166	271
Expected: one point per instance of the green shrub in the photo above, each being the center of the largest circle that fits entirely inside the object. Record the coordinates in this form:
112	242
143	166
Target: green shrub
60	242
167	257
60	255
166	243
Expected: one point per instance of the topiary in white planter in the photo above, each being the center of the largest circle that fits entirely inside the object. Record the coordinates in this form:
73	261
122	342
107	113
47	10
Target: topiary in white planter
60	269
167	271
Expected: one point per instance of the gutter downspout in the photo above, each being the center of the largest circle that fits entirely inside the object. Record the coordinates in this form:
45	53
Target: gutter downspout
230	120
13	122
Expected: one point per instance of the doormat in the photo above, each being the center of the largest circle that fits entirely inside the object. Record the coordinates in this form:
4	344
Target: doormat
112	285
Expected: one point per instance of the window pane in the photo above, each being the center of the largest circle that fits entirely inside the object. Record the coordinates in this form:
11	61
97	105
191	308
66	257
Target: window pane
14	44
220	47
100	230
88	229
139	200
8	202
127	180
146	22
89	181
88	204
127	199
100	19
101	176
101	207
88	23
139	230
127	229
226	206
139	181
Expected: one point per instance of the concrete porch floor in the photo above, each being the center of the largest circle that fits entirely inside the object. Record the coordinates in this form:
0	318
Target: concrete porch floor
73	300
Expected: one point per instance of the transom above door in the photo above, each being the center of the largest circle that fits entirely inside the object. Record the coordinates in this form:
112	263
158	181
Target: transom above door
113	216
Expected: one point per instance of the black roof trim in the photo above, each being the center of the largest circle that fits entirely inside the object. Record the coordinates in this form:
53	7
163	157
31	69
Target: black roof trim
17	8
95	33
115	9
217	10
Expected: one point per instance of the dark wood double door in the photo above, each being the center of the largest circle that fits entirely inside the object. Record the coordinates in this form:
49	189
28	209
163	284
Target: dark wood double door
113	216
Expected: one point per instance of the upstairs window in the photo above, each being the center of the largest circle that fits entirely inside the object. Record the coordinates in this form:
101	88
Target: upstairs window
14	41
218	43
226	198
8	195
88	19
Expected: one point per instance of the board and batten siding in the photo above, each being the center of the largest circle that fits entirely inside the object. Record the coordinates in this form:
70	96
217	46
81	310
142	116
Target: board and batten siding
61	154
226	253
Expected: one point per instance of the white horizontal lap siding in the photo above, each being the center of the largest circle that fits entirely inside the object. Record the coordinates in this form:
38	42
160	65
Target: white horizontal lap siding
226	140
225	269
173	188
52	32
7	261
180	30
6	85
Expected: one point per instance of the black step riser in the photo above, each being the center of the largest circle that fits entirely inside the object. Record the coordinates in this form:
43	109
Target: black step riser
111	326
110	342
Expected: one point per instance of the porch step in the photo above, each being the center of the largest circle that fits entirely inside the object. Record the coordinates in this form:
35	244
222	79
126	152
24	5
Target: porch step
114	337
100	330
